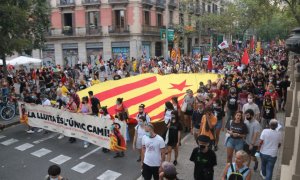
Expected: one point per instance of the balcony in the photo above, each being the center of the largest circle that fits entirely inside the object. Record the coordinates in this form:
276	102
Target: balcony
173	4
160	4
93	30
150	29
118	29
91	2
118	1
68	31
148	2
65	3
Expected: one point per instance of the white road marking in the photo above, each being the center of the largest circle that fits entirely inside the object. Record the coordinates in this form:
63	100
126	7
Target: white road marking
9	142
41	152
89	153
25	146
109	175
1	136
60	159
45	138
83	167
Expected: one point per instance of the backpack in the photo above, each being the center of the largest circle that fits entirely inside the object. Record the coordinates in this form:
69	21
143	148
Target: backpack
235	175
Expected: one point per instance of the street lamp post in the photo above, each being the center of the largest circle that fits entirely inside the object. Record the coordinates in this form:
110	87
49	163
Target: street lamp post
167	26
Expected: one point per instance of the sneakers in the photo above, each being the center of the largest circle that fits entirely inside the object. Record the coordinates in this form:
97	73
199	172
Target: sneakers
255	166
105	150
262	176
30	131
119	155
175	162
85	146
40	130
60	136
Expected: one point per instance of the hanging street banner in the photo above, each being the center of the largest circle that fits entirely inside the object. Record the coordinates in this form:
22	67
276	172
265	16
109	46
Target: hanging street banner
99	131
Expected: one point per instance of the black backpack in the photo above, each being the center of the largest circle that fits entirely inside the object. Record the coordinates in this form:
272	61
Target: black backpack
235	175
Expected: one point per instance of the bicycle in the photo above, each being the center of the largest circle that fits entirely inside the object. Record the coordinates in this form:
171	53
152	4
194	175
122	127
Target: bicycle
7	111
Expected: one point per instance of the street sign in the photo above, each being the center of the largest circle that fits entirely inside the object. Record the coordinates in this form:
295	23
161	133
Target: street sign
170	34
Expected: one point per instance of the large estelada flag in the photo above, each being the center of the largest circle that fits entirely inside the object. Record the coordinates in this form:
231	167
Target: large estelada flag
153	90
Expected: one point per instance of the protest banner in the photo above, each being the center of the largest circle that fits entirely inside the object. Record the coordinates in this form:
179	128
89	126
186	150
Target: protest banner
99	131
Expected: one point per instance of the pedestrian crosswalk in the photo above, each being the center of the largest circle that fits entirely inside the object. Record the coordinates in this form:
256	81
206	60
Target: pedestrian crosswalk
80	167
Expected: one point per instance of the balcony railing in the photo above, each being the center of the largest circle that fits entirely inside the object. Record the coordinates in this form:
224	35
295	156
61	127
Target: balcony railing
160	4
119	29
117	1
148	2
150	29
65	3
91	2
68	31
173	3
93	30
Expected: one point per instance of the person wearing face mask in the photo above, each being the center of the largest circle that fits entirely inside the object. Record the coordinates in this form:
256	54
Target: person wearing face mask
143	113
268	111
174	136
196	119
274	95
153	153
252	138
204	159
138	135
231	105
54	173
220	114
237	170
253	106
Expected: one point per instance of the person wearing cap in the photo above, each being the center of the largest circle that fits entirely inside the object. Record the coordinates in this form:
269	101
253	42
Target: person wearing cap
270	142
143	113
167	171
153	153
204	159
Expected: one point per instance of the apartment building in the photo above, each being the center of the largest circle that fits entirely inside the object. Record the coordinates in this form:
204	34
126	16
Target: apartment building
85	30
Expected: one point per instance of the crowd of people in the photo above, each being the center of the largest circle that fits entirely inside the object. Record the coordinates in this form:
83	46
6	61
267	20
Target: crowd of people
242	103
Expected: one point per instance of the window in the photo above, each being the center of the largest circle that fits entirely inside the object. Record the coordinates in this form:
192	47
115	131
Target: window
93	19
171	17
196	40
181	19
147	18
203	7
120	18
208	9
68	19
159	20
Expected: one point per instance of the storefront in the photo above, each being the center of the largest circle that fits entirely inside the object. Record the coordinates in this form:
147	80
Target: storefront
120	50
70	54
49	55
94	52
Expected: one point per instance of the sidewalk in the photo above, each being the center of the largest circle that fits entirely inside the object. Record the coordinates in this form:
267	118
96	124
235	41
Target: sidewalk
6	124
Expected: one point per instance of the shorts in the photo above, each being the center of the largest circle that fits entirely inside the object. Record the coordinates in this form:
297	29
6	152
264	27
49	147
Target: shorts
219	124
148	172
250	152
236	144
188	112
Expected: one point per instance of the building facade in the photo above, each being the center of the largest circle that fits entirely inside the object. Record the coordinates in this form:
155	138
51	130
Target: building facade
84	30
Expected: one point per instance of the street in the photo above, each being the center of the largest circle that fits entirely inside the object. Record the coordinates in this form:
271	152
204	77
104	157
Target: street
28	156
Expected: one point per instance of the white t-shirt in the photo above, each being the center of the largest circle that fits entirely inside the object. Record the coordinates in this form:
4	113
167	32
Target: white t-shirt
46	102
140	131
153	147
168	116
252	106
271	140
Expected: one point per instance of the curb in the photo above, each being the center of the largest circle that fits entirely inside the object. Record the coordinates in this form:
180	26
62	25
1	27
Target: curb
4	126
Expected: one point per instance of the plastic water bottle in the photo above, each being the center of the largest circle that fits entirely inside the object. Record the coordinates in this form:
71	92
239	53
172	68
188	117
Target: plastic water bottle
257	154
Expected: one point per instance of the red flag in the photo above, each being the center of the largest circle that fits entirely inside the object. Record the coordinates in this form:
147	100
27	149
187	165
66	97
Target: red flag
209	63
245	58
252	43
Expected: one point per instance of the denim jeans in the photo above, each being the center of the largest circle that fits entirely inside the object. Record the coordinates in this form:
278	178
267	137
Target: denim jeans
267	165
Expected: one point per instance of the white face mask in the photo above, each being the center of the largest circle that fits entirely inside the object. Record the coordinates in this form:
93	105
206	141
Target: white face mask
54	178
250	100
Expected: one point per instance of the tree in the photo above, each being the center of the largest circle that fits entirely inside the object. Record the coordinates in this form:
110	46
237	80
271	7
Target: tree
294	6
23	24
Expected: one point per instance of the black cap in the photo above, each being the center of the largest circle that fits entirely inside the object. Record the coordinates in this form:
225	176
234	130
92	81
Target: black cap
203	138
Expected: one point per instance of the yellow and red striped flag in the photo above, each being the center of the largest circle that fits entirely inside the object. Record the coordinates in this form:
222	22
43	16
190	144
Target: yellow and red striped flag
153	90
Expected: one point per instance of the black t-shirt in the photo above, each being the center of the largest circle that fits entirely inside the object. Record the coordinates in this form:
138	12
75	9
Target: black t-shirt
268	111
173	132
239	128
82	86
260	92
204	164
285	84
95	103
232	103
219	113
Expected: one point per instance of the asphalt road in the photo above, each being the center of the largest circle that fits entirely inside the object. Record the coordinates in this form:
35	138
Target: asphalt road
28	156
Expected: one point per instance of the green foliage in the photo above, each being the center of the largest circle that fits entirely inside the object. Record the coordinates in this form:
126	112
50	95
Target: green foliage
294	9
23	24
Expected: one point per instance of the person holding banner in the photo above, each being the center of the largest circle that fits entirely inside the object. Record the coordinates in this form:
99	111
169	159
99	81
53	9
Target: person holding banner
85	109
72	107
